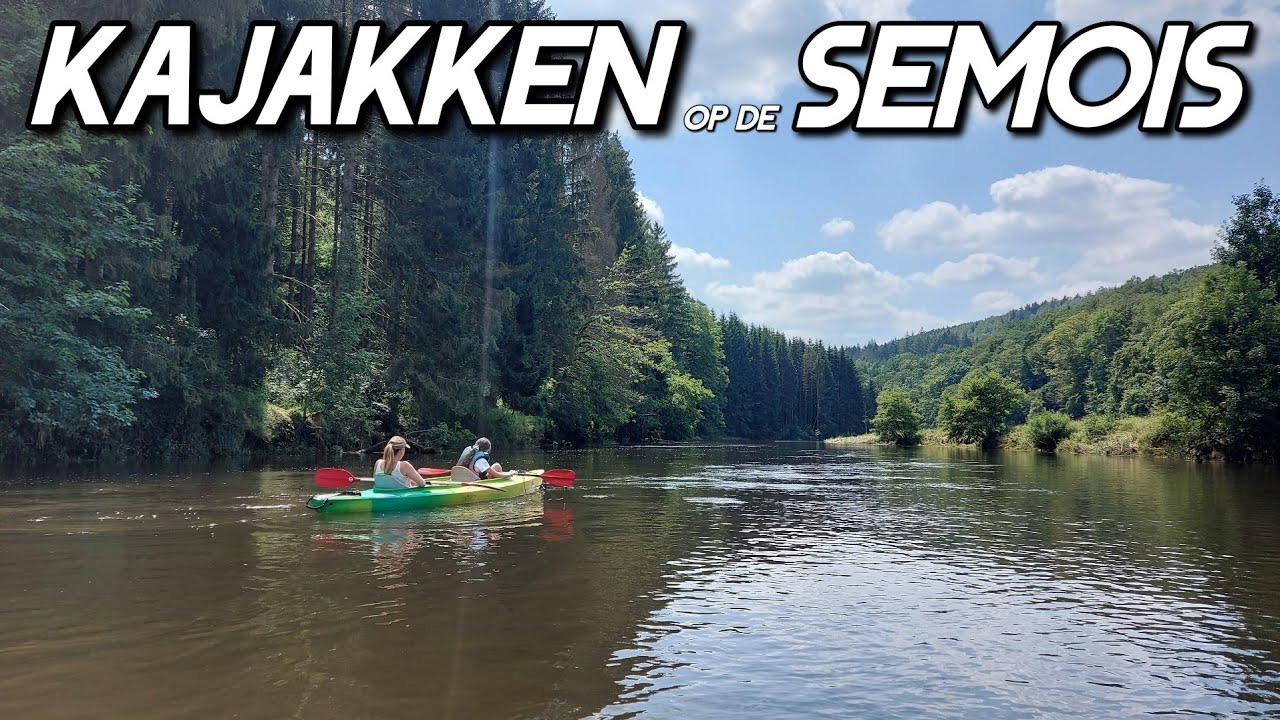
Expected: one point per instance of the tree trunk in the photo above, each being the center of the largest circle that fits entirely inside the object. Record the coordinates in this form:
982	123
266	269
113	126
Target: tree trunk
344	208
294	200
271	197
309	252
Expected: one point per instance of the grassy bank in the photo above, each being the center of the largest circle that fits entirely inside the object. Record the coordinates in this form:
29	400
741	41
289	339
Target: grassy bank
1089	436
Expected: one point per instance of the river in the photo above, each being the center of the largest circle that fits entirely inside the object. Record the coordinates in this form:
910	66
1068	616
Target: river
778	581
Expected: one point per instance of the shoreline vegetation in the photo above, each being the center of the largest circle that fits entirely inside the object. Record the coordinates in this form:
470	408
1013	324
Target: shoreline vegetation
1113	437
255	294
1184	364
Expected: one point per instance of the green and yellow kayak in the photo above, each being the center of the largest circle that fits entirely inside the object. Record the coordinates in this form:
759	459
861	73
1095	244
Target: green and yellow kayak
437	495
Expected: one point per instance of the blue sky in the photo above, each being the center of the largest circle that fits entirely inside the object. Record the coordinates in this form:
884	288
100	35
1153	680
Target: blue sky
848	238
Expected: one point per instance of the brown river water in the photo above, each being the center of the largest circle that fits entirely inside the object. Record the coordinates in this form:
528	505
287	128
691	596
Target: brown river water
683	582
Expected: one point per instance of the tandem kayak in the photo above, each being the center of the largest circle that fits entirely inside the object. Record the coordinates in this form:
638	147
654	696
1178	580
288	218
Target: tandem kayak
439	495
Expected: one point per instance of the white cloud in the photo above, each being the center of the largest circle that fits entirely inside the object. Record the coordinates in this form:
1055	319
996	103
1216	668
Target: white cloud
994	301
835	227
651	208
979	266
739	50
829	296
1107	227
688	257
1150	15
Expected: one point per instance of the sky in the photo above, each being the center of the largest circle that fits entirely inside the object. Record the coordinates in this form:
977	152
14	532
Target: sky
848	238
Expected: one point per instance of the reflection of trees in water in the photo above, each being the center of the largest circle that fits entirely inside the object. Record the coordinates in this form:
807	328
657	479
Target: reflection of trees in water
507	594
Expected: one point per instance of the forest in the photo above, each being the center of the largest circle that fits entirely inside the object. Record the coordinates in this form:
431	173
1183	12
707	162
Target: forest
200	293
1188	363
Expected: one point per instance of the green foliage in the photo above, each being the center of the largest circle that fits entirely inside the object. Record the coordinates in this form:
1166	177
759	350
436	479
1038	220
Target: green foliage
1167	430
699	351
596	392
1252	235
443	437
22	36
896	419
540	270
507	428
336	370
680	412
1161	433
211	293
787	388
1084	356
72	248
1184	361
1222	358
1073	358
1047	429
1097	426
978	409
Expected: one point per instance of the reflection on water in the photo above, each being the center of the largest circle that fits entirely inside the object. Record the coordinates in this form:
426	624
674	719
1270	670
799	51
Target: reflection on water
714	581
909	588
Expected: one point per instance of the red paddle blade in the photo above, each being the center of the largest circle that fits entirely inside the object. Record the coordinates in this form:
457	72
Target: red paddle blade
336	478
559	478
433	472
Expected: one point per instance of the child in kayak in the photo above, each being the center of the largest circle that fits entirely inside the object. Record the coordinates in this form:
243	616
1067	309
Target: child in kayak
476	459
401	474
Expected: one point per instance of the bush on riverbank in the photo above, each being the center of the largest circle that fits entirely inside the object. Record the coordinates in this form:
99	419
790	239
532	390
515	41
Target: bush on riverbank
977	410
289	431
1046	430
1192	354
1155	435
897	420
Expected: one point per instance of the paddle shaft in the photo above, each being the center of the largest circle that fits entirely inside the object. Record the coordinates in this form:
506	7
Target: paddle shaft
337	478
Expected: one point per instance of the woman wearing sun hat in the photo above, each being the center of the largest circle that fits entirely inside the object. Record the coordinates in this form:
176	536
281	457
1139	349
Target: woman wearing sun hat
392	471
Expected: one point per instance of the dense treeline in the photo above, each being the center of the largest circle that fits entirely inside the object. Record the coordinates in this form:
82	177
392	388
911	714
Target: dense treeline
1196	352
209	293
788	388
958	336
1066	357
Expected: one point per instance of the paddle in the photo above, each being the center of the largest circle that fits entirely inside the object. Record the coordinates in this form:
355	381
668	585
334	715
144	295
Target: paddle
559	478
337	478
554	478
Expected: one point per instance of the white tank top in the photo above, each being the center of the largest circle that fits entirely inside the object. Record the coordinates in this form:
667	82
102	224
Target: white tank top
396	480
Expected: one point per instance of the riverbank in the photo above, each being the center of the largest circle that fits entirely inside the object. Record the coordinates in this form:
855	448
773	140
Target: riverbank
1089	436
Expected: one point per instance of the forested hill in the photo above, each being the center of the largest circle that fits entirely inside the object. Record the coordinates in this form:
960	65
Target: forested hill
955	336
1192	359
1095	354
196	293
